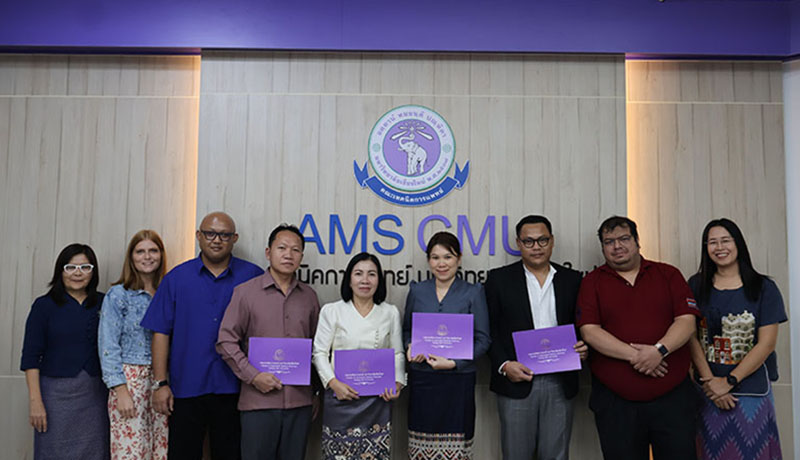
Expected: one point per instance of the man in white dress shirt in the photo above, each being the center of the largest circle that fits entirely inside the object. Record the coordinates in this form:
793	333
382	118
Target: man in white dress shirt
533	293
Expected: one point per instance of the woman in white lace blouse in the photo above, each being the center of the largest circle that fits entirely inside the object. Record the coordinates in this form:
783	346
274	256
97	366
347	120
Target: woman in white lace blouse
355	426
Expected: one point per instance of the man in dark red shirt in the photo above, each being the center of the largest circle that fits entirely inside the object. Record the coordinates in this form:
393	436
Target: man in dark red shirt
637	315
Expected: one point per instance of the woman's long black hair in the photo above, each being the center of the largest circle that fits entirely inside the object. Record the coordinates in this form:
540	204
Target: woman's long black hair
751	279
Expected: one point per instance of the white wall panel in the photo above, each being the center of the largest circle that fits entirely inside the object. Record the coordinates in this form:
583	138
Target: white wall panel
791	113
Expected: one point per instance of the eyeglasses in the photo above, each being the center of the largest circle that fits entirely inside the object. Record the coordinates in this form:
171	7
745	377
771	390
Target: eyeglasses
624	239
542	241
84	268
720	242
209	235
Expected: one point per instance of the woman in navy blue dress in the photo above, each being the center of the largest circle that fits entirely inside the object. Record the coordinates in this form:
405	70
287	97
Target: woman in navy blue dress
61	364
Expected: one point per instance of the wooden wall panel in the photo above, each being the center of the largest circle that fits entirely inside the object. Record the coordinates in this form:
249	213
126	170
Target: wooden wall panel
96	147
543	134
705	140
92	148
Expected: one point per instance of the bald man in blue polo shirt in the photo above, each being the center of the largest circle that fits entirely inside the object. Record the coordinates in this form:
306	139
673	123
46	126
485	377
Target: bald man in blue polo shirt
200	391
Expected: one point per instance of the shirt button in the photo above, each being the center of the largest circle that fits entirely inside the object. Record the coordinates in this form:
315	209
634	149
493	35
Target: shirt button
215	320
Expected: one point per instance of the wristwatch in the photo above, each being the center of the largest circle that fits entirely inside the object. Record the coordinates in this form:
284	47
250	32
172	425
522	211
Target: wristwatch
732	380
662	349
162	383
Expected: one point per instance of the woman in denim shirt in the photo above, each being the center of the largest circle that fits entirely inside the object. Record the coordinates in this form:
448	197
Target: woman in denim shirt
441	407
137	430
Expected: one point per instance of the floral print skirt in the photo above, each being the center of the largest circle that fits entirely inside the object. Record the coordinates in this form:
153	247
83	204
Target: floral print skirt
144	436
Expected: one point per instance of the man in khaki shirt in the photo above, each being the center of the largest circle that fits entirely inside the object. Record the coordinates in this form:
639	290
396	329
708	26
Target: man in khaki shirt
275	418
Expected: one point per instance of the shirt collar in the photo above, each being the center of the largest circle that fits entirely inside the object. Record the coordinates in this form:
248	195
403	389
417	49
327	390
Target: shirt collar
550	274
644	264
130	292
199	266
268	280
456	286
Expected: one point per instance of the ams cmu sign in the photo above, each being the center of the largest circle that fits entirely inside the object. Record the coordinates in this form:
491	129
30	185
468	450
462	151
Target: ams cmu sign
411	150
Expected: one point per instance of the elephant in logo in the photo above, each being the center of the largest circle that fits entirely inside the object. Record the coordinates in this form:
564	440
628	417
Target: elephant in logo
416	154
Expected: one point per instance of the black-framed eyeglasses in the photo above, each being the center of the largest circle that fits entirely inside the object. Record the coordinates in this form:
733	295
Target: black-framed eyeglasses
624	239
209	235
84	268
542	241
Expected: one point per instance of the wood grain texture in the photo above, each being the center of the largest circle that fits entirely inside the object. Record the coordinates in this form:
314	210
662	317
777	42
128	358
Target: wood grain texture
14	405
705	81
705	140
543	134
93	149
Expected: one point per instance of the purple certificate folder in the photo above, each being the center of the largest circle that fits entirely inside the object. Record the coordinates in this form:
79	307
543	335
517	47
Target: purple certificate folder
547	350
287	359
369	372
442	334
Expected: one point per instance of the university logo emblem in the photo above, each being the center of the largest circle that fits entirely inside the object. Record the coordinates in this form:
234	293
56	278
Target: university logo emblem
545	343
411	151
279	355
442	330
363	366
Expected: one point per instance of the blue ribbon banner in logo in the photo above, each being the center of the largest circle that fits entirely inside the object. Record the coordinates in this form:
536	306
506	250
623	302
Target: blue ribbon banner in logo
411	199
